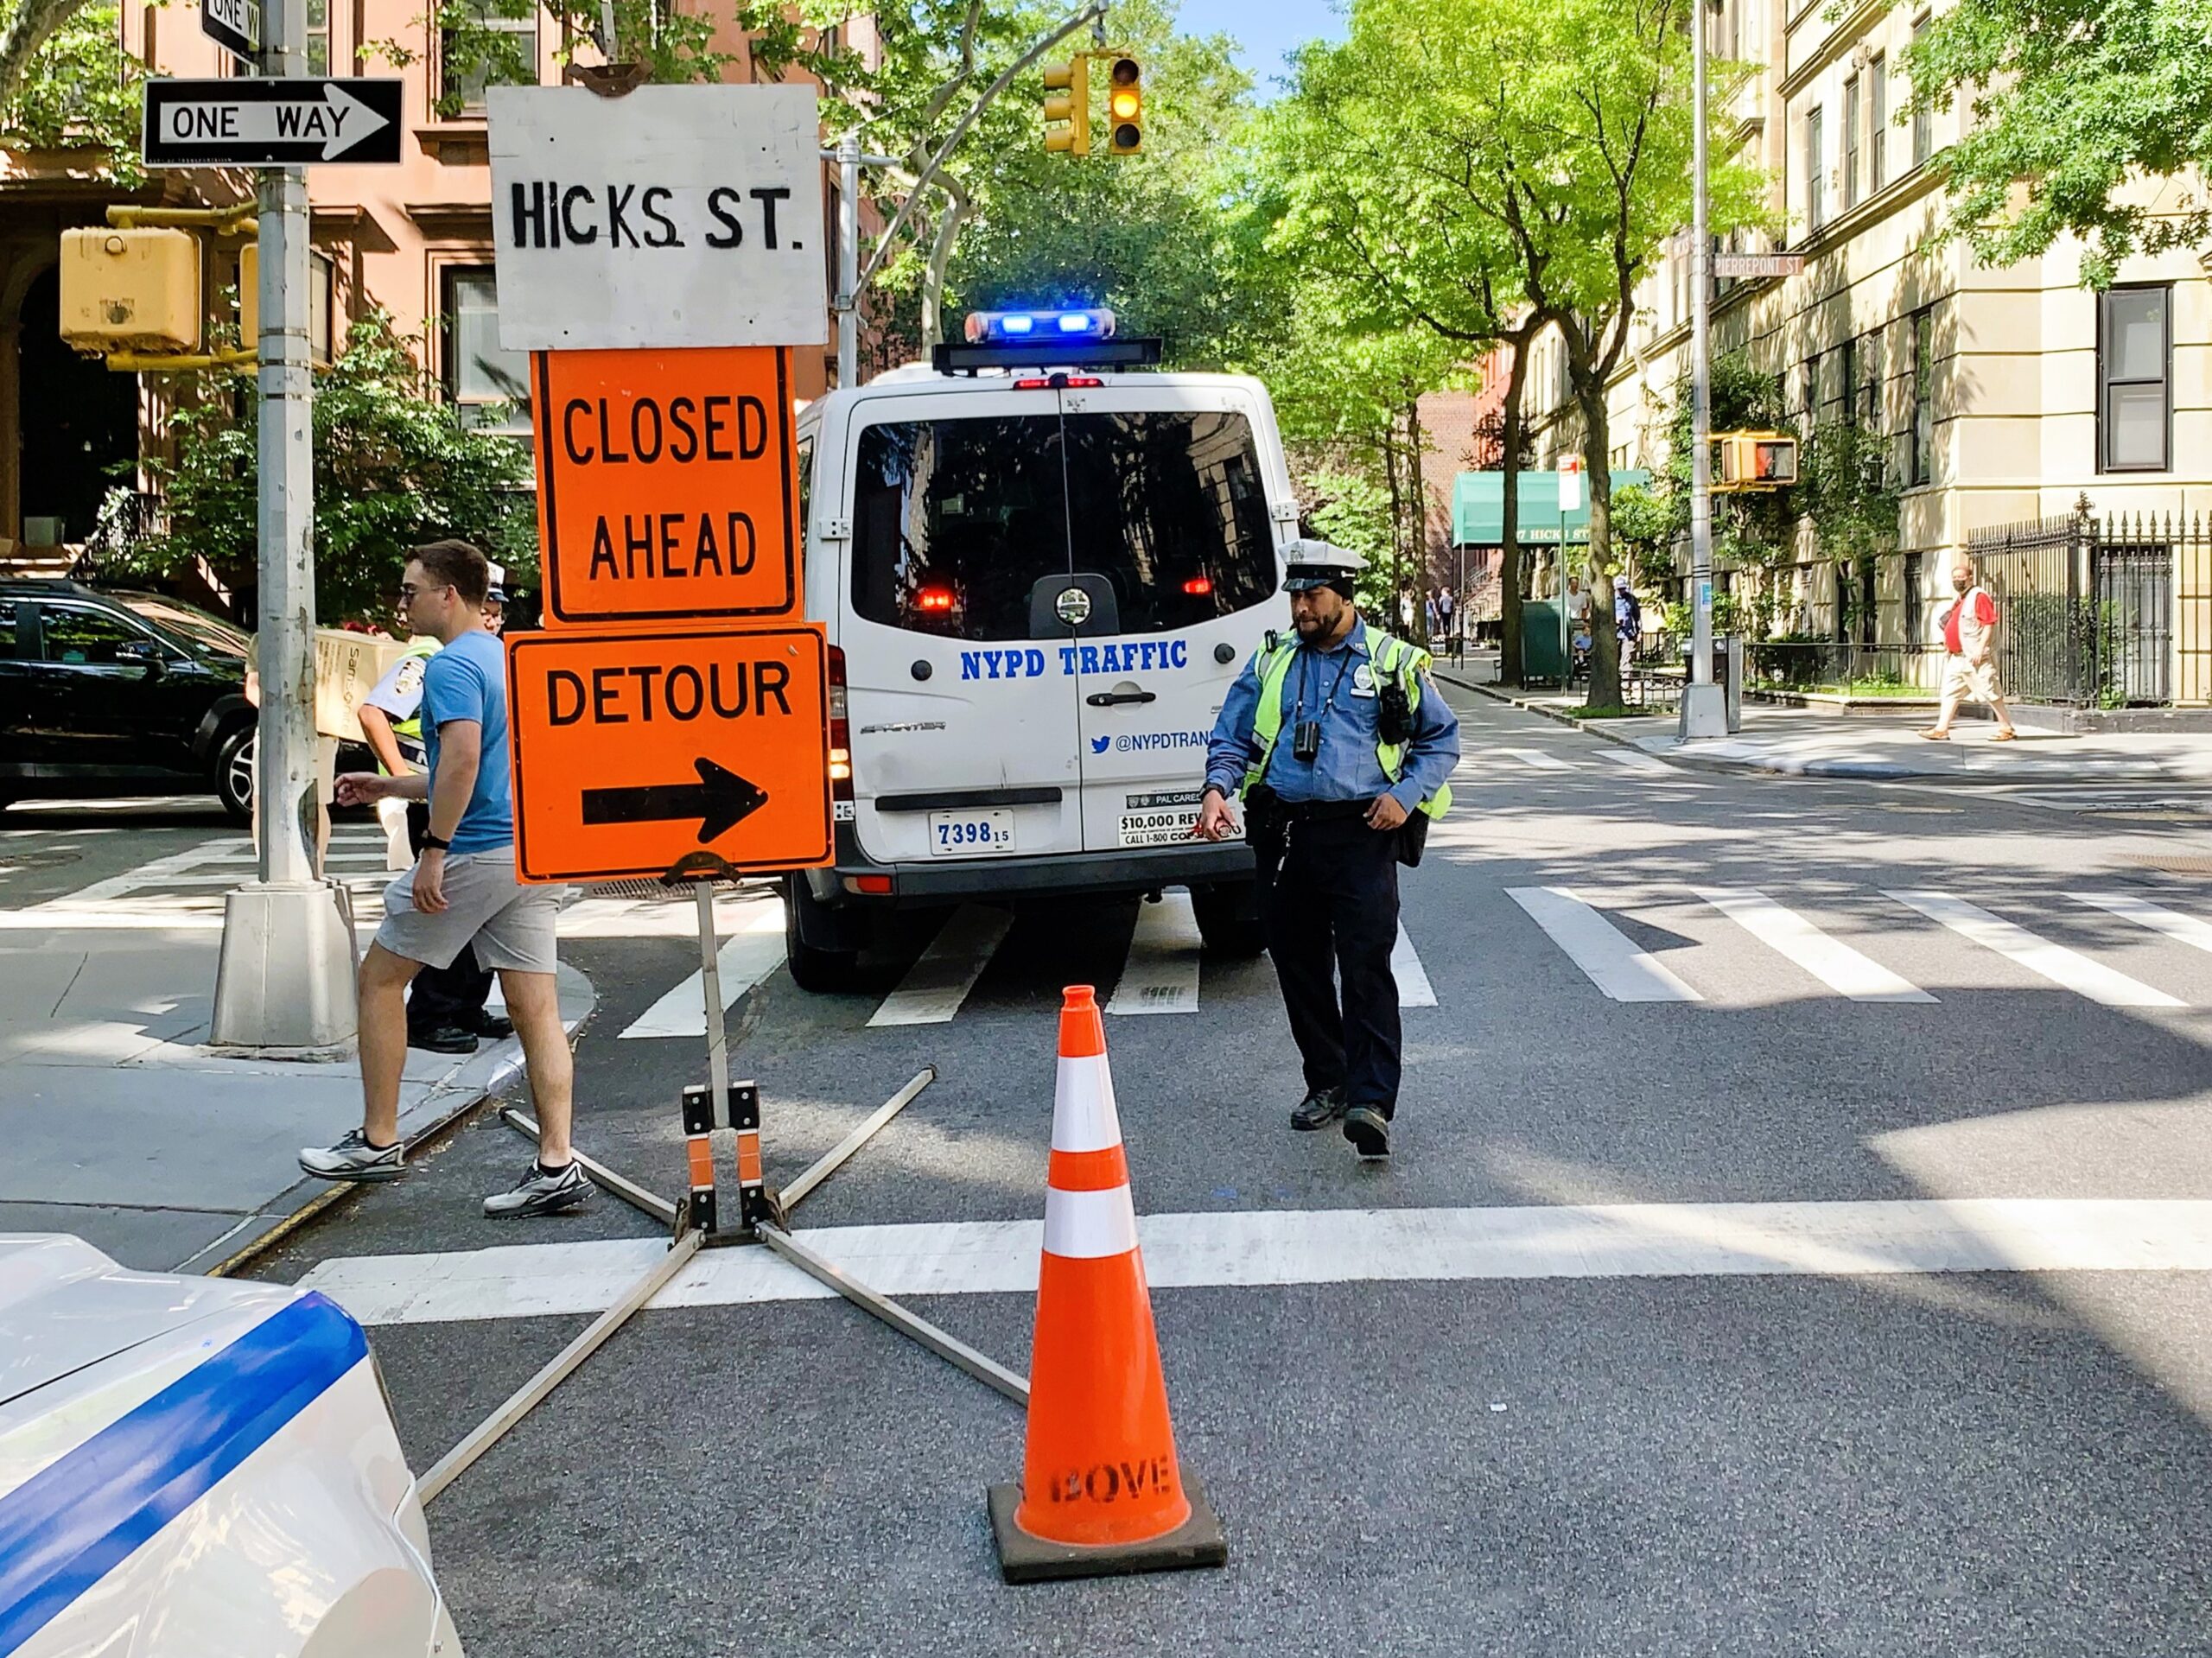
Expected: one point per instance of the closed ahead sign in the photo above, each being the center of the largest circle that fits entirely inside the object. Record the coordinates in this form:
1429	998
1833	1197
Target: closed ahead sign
671	216
667	485
632	751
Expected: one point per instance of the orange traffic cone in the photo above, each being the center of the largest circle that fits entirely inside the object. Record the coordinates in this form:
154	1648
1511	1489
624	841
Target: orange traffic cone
1101	1488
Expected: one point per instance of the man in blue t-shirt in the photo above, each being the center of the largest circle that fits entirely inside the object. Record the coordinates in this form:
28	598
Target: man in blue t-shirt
461	894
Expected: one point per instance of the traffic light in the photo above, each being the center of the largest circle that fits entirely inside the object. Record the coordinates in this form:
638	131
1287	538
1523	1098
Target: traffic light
1753	460
125	288
1125	107
1067	107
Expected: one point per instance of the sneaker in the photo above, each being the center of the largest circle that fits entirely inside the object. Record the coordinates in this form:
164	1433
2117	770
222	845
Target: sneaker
1369	1130
1318	1109
541	1192
354	1159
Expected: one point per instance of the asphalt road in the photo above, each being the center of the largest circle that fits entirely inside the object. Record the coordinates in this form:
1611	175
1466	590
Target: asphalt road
1806	1454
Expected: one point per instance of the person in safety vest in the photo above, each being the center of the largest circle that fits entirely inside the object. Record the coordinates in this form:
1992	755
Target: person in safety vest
1339	747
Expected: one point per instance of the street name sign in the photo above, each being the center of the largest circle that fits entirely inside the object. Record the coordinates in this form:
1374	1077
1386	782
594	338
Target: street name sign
271	123
234	25
1757	265
667	485
630	750
672	216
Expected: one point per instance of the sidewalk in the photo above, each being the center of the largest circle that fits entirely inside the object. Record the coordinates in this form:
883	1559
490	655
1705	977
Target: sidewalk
121	1127
1809	742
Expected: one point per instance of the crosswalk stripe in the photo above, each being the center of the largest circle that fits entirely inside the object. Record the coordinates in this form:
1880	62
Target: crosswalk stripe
1537	758
2069	969
1161	975
940	980
2187	928
1414	989
750	956
1629	760
1606	955
1832	962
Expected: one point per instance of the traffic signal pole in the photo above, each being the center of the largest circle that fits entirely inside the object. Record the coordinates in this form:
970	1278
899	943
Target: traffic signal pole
1705	708
285	980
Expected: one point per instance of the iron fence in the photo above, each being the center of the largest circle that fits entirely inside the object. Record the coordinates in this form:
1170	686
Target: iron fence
1842	667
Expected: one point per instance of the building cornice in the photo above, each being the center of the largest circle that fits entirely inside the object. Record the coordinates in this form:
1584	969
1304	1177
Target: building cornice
1848	31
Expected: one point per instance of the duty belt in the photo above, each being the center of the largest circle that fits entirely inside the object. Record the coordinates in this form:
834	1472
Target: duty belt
1321	812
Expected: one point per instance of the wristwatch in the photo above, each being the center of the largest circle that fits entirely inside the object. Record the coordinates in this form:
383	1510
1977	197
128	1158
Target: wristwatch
436	843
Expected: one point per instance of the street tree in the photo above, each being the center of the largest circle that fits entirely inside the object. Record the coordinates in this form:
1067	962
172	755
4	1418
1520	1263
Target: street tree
76	89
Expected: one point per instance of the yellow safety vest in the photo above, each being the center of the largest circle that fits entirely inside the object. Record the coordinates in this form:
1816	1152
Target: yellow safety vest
1393	658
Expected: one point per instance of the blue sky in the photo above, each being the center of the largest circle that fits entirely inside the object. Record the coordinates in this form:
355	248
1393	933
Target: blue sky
1266	29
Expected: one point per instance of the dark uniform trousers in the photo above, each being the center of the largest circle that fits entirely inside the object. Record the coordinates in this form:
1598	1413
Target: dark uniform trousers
442	998
1329	901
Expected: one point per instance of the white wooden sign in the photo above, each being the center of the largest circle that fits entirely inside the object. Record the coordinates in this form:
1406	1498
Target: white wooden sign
672	216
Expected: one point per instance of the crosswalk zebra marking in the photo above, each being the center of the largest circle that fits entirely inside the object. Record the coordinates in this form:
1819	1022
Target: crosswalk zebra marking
941	978
1161	974
1414	989
751	954
1630	761
1606	955
2188	929
2068	969
1833	962
1537	758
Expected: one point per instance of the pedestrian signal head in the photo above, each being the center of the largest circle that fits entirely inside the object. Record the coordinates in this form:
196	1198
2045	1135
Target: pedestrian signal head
1067	107
1125	107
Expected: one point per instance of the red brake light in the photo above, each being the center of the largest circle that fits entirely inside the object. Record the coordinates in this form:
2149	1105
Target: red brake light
1037	384
841	739
1082	379
937	599
1198	586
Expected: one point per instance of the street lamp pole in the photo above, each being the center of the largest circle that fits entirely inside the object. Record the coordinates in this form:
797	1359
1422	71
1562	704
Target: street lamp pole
1705	709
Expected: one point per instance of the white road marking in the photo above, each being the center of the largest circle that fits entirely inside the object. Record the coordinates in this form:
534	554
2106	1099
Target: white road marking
1414	989
146	874
1249	1248
1603	953
1161	974
1537	758
1630	761
1834	963
756	951
940	980
2069	969
2188	929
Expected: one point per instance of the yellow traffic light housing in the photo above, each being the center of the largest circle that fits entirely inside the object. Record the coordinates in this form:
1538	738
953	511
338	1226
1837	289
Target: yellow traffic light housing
1067	106
1125	106
1746	462
130	290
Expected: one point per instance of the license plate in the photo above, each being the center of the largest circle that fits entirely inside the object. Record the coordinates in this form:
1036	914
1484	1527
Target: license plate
954	834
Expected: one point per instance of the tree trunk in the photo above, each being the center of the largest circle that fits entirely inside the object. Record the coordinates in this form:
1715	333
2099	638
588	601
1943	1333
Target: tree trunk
1420	526
1396	622
1509	536
1596	465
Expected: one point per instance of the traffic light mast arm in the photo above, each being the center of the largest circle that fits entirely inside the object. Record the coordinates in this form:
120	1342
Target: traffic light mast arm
984	99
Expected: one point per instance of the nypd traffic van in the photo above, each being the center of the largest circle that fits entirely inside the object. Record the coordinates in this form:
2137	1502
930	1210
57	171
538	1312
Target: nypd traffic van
1041	568
198	1468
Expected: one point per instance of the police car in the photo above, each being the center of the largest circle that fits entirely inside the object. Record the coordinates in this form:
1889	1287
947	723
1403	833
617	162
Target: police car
1040	572
198	1468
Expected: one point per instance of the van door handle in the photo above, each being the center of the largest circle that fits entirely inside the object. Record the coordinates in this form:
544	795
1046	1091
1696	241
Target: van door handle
1115	699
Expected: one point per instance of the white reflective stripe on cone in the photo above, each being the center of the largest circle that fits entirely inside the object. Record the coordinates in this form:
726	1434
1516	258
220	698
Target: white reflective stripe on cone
1090	1225
1084	1117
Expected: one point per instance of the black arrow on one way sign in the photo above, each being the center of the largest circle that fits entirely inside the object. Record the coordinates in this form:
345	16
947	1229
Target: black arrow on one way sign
719	799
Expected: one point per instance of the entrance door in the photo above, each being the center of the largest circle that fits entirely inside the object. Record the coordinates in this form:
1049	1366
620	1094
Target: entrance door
79	421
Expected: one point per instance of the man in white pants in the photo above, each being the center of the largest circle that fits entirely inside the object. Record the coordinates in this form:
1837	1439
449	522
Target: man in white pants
1969	625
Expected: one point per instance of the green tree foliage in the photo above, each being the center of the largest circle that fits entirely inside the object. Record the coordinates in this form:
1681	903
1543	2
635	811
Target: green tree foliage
394	466
2078	101
78	88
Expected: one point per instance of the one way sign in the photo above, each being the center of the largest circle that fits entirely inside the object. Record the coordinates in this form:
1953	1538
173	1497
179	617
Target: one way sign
271	123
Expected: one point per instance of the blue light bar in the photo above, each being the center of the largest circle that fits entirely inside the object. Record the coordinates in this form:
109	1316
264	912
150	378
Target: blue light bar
1074	323
1019	324
984	328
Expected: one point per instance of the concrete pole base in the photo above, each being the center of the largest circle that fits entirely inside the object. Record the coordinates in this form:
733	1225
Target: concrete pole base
286	976
1704	712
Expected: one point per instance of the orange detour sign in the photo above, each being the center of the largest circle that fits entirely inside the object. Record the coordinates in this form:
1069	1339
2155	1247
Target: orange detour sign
667	485
630	750
1101	1490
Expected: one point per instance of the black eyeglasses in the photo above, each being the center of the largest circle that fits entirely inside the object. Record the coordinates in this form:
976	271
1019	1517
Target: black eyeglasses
409	591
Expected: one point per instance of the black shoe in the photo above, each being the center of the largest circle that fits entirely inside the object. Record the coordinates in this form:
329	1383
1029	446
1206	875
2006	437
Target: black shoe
443	1038
1369	1131
495	1028
1318	1109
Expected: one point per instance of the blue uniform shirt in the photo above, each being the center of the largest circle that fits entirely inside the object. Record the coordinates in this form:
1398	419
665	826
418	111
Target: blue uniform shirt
1339	689
467	680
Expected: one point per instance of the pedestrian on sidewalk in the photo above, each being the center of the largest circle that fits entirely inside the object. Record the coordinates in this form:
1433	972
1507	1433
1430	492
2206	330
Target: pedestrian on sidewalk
1339	748
462	891
1628	620
1969	625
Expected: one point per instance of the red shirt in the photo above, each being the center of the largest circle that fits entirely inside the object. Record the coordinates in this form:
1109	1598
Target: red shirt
1984	614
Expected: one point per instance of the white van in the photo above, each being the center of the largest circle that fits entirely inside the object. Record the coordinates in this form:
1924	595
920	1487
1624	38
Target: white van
1038	588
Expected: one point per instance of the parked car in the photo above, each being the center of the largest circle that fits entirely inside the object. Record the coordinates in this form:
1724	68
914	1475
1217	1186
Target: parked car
201	1468
110	693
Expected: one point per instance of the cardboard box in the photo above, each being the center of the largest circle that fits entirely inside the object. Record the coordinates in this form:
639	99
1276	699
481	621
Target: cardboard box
346	668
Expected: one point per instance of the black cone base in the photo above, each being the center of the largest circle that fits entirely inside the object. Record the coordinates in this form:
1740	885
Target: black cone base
1023	1558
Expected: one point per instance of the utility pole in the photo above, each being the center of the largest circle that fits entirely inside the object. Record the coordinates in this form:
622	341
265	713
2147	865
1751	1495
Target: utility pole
286	975
1705	708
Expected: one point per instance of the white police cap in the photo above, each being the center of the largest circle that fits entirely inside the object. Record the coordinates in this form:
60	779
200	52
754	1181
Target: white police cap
1311	563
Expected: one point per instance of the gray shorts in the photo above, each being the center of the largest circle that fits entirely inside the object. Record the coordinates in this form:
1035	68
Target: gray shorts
510	923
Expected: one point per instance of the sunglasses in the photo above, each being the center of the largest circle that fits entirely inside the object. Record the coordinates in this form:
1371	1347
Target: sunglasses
409	591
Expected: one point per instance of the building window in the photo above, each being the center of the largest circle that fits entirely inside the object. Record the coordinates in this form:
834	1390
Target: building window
321	284
1847	382
2135	378
1923	118
1922	469
1815	206
1877	119
502	51
318	36
1913	639
488	383
1873	358
1851	143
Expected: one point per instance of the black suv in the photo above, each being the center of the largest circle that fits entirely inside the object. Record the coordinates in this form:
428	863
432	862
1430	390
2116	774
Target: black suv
106	693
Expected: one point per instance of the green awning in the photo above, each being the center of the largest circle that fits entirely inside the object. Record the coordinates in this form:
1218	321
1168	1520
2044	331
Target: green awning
1478	508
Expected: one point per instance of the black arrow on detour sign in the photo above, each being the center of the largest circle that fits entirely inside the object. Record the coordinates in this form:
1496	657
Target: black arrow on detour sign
721	800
